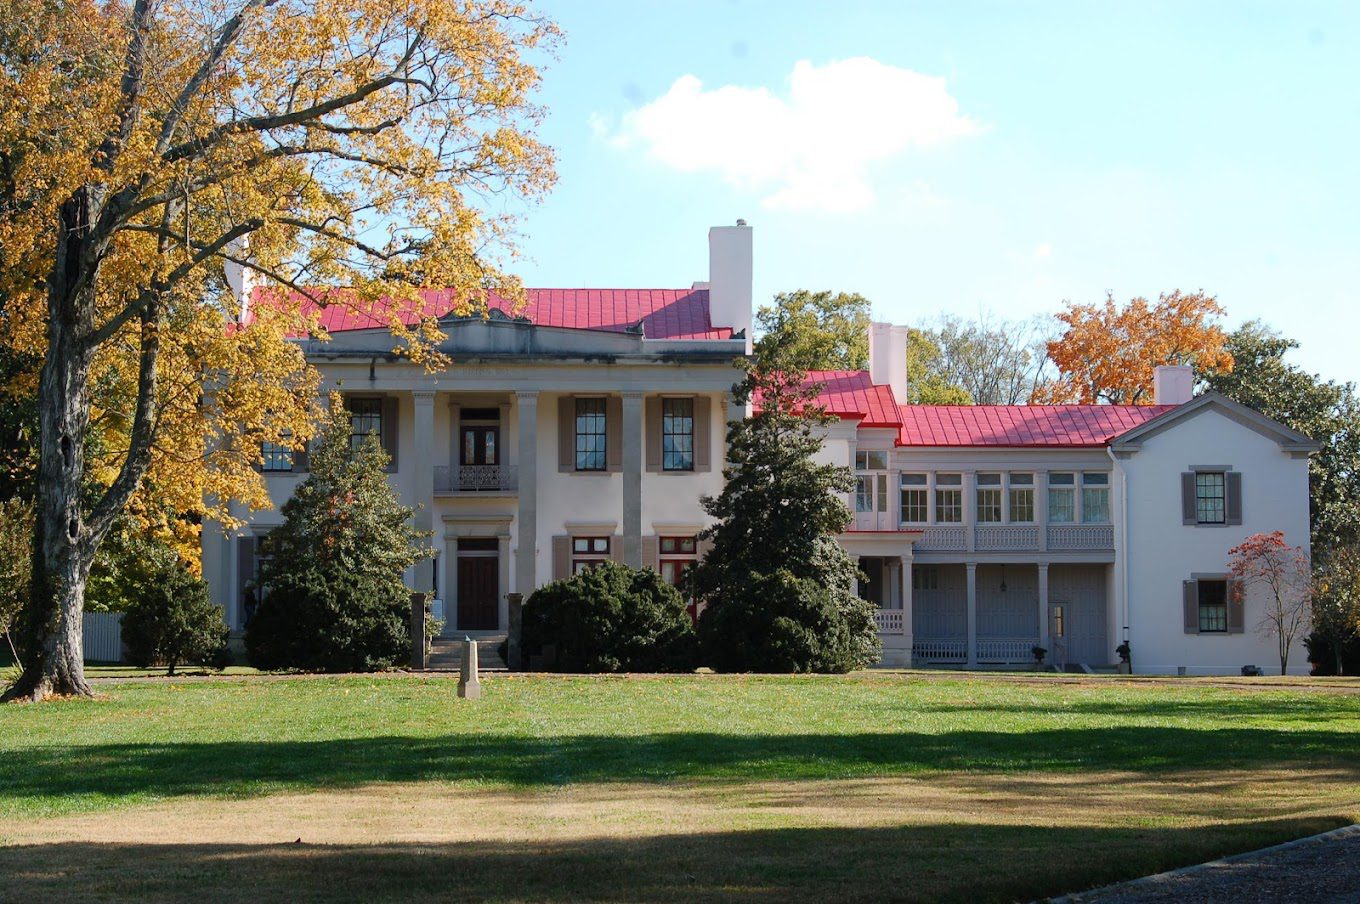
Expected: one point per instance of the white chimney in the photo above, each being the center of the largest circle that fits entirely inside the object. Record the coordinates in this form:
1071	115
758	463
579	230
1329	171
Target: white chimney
730	273
888	358
1173	384
241	280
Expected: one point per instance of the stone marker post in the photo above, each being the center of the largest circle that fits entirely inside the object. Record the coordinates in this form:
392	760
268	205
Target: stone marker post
468	684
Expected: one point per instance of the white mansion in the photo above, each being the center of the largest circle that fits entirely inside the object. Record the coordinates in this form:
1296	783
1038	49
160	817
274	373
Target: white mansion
587	424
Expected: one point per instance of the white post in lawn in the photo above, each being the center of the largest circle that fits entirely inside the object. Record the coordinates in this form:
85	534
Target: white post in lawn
469	686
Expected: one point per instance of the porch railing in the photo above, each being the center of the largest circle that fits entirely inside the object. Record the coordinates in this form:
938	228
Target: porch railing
1081	536
947	539
889	621
475	478
1006	650
940	650
994	537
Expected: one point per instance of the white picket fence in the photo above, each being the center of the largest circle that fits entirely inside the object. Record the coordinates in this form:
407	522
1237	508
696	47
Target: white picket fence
103	636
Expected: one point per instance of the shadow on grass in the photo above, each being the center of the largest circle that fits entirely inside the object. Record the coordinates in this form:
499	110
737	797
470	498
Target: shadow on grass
243	768
947	862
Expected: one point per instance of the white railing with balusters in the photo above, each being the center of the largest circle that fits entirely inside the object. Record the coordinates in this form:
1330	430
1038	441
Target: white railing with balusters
948	538
1080	536
991	537
475	478
890	621
939	649
1006	650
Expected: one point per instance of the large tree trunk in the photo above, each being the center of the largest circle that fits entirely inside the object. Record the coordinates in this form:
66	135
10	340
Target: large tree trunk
64	545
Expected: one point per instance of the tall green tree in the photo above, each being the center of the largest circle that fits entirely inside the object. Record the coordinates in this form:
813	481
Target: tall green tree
333	595
927	382
817	330
1328	412
778	588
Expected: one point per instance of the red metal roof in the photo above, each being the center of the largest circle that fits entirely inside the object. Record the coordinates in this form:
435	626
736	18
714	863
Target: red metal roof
664	313
851	394
1021	425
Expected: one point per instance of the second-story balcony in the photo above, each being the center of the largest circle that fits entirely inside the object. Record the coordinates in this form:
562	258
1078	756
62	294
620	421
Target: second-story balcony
476	479
1012	537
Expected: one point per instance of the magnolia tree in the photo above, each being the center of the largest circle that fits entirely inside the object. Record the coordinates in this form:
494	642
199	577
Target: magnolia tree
145	144
1279	575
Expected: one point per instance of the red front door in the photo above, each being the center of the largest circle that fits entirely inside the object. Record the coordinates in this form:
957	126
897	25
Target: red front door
478	593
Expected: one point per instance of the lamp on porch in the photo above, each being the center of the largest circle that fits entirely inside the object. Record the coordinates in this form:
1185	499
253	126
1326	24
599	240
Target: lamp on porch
1003	579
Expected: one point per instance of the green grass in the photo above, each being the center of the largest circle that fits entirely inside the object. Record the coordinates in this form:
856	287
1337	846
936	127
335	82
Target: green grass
150	741
1150	767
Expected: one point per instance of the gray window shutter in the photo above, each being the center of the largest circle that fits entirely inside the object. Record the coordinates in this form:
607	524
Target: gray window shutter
613	437
703	433
1188	513
1237	622
1232	482
1191	595
561	557
566	434
651	553
616	548
652	419
301	459
389	429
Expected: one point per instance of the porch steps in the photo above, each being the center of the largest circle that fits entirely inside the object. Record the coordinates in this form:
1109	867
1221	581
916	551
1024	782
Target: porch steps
447	655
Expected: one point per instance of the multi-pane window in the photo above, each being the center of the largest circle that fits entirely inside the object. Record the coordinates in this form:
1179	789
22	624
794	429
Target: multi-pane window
1095	497
365	420
871	493
1211	495
587	552
948	498
988	498
925	577
1213	606
275	457
915	499
1062	498
871	461
590	435
1022	498
677	434
678	555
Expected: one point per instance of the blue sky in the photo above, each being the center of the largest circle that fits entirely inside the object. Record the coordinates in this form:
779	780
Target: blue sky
955	157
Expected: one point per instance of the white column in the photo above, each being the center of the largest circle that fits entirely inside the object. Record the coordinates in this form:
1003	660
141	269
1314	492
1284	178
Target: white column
527	518
970	510
422	468
1041	507
904	575
971	569
632	479
1043	605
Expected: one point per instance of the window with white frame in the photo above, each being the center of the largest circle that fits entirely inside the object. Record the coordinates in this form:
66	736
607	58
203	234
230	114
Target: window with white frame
587	552
1062	498
1095	497
365	420
871	461
989	498
1021	499
1213	606
915	499
948	498
1211	497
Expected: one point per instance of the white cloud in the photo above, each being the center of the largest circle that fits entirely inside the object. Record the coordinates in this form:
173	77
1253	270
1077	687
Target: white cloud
1043	252
810	150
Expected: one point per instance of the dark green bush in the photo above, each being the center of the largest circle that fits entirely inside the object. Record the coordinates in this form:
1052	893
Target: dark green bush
783	623
1322	654
609	619
171	621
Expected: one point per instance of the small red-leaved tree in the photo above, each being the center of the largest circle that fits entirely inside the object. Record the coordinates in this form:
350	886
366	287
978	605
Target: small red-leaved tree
1281	572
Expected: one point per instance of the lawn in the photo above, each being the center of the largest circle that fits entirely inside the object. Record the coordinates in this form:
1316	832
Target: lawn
870	787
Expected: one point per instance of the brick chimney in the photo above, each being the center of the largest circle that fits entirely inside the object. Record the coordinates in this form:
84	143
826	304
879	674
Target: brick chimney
1173	384
730	274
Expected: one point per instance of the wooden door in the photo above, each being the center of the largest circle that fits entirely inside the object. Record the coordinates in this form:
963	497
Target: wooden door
478	593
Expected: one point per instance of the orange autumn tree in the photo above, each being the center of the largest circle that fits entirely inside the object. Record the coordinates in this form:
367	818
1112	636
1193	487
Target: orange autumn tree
145	144
1108	353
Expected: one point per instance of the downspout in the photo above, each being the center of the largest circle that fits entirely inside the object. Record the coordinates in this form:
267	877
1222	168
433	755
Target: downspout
1122	549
